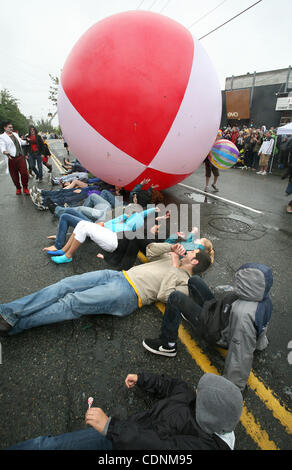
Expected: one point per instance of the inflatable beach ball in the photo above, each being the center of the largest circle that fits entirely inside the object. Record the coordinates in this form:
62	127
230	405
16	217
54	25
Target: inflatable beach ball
139	98
224	154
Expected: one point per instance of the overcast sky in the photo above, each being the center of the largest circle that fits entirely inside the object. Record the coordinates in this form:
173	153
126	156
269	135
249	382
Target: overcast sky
36	37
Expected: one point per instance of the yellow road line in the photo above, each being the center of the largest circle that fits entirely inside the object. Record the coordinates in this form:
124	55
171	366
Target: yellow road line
56	161
252	427
269	398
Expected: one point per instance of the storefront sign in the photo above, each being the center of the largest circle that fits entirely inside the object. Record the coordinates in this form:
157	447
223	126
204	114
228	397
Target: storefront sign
237	104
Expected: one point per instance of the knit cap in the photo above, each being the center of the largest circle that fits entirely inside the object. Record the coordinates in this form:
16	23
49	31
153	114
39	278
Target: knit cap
218	404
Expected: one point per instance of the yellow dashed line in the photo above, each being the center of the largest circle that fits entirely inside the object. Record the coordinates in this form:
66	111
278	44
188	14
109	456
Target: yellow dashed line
252	427
268	397
56	161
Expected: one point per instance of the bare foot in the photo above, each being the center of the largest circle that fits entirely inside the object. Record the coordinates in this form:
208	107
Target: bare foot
52	237
100	256
50	248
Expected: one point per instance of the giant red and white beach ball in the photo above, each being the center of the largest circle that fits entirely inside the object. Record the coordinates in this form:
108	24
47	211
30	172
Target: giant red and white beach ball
139	98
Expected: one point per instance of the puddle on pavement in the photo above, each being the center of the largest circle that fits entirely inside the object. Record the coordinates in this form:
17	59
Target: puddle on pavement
200	198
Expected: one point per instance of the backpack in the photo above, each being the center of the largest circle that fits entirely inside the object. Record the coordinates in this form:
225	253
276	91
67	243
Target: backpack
214	317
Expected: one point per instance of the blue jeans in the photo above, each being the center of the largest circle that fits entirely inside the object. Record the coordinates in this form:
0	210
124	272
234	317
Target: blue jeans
97	292
64	195
111	198
36	158
70	218
95	200
86	439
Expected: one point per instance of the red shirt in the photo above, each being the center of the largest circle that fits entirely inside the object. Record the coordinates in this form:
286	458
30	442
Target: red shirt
33	141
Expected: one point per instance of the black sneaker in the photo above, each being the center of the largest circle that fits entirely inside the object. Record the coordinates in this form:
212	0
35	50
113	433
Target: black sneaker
156	346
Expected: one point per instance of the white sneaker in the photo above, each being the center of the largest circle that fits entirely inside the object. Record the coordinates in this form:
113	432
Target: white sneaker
264	173
206	189
259	172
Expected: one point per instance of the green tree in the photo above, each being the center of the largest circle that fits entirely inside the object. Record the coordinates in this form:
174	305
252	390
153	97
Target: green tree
9	110
45	125
53	94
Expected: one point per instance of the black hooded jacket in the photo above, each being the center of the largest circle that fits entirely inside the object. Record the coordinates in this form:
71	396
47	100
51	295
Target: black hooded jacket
169	425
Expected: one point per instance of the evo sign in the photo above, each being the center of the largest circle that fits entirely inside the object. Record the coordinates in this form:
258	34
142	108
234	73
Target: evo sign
237	104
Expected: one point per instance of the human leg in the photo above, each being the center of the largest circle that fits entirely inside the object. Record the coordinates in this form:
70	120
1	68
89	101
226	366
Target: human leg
14	172
199	290
22	169
95	199
32	161
178	305
85	439
102	236
207	174
40	166
66	220
111	198
97	292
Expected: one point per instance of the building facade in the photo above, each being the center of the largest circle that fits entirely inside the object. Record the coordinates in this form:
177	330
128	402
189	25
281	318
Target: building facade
257	99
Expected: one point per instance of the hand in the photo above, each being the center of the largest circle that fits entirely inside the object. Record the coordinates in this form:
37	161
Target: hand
131	380
195	230
174	259
178	249
145	181
181	234
154	229
96	418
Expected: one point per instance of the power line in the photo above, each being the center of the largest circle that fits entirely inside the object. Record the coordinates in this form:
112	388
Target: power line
163	8
208	13
139	5
228	21
152	4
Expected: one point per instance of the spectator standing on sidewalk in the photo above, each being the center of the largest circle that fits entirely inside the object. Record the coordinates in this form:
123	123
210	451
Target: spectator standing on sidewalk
11	146
36	152
265	153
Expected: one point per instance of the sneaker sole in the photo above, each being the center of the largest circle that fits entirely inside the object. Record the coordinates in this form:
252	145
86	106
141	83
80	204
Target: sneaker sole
159	353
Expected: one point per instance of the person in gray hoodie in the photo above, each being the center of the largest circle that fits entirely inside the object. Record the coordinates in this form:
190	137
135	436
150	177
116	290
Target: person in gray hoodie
237	322
181	419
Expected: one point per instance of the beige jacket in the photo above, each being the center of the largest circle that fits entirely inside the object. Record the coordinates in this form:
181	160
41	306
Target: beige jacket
156	280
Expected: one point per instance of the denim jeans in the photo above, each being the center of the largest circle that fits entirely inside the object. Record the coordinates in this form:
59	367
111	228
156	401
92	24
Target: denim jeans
97	292
111	198
69	219
85	439
36	158
96	200
64	195
190	306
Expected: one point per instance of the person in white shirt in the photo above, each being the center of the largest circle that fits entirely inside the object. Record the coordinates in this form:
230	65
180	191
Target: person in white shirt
11	147
265	153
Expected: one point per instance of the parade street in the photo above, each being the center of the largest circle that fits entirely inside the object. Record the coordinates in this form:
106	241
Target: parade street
48	373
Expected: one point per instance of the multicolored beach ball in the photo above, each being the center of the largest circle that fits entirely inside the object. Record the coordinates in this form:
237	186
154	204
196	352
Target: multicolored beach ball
139	98
224	154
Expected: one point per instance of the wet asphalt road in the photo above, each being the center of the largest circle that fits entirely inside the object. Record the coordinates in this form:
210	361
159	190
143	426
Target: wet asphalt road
48	373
